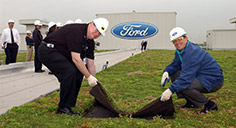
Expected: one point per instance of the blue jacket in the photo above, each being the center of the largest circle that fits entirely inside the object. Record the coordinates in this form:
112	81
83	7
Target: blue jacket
194	62
29	41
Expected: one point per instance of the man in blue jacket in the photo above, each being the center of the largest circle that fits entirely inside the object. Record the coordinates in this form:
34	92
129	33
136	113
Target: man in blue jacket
193	72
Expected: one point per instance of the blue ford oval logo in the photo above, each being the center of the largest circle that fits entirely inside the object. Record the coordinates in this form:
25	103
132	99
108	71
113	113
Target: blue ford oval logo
134	30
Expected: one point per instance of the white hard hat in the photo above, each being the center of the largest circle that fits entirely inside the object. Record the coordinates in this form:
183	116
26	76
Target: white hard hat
11	21
69	22
59	24
28	31
176	32
37	22
101	25
51	24
78	21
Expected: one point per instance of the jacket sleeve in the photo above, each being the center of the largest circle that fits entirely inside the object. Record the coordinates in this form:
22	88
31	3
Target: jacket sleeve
174	66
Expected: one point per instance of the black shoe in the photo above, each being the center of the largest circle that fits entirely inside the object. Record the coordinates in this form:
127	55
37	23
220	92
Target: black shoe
67	111
40	71
210	105
187	105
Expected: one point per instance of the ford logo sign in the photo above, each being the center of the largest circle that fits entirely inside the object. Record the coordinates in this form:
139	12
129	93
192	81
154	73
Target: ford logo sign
134	30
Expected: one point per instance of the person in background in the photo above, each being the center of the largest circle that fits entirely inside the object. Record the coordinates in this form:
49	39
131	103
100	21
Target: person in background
52	27
37	37
59	25
143	45
78	21
30	45
193	72
64	52
69	22
10	41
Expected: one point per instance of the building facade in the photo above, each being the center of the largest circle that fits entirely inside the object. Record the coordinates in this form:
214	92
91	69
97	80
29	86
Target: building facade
128	30
222	39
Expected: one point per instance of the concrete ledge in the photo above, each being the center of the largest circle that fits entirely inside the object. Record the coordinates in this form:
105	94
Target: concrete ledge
23	65
15	67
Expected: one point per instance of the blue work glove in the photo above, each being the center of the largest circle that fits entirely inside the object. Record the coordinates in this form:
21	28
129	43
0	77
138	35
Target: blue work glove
165	77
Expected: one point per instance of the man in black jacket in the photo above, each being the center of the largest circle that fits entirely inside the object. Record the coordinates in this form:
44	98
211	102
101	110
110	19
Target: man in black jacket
37	37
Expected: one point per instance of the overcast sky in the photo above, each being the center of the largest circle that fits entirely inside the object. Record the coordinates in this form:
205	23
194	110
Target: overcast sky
195	16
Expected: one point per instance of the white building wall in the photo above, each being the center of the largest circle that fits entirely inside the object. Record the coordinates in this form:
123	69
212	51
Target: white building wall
164	21
221	39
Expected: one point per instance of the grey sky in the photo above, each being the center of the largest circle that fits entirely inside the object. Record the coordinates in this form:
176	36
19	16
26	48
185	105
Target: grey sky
196	17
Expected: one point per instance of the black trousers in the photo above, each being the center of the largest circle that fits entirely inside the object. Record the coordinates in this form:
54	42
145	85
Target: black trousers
11	53
37	63
143	47
194	92
68	75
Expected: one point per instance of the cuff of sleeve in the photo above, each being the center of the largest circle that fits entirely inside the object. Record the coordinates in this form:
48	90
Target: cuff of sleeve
172	89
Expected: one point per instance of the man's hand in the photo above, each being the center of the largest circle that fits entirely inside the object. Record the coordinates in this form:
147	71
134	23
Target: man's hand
92	81
166	95
165	77
4	45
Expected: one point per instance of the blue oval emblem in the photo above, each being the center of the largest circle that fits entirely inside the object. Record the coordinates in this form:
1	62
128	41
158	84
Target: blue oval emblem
134	30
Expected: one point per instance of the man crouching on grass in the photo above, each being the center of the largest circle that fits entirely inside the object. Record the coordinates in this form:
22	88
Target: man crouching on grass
193	72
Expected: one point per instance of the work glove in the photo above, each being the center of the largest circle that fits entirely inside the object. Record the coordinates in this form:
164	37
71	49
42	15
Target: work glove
92	81
165	77
166	95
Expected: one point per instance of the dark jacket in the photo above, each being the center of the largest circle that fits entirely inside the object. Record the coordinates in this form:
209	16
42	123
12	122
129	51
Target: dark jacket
37	37
29	41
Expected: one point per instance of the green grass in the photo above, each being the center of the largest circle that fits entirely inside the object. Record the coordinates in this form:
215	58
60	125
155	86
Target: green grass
21	57
132	84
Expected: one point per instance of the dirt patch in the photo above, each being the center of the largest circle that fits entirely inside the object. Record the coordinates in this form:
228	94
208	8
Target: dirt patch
104	108
135	73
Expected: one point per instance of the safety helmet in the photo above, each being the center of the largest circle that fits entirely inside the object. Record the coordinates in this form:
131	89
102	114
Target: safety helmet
78	21
28	31
37	22
101	25
69	22
51	24
11	21
176	32
59	24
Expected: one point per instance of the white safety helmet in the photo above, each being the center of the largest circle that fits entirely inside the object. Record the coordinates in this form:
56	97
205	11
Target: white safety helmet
59	24
28	32
70	22
37	22
176	32
11	21
101	25
78	21
51	24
